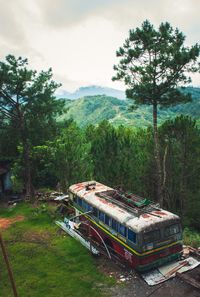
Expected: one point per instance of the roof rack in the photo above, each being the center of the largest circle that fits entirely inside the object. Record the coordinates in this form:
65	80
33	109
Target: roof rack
129	201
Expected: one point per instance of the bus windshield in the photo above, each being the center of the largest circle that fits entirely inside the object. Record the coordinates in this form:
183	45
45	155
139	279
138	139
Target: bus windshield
171	230
151	236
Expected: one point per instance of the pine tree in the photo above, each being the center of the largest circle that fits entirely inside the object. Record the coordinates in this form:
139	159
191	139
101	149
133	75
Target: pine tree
153	64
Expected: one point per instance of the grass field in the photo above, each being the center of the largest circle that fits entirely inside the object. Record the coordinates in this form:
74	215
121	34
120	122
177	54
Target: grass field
46	262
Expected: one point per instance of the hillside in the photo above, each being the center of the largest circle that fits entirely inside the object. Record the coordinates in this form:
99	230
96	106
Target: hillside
94	109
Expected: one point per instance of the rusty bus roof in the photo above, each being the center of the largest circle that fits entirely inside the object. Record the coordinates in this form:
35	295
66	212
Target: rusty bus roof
145	221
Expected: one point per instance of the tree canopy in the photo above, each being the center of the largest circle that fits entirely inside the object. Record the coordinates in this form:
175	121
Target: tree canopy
154	63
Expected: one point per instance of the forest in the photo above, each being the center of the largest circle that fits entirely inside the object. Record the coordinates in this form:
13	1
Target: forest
45	150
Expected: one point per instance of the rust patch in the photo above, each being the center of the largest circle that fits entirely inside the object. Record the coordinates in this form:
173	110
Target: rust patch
161	213
145	216
78	187
6	222
106	202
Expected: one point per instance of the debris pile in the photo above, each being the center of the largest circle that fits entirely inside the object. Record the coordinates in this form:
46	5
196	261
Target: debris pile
189	250
49	196
122	277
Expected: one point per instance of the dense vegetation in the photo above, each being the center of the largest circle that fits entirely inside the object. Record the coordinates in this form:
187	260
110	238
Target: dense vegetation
121	157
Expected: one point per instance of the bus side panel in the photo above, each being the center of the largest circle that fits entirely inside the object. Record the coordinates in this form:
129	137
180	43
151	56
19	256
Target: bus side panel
124	253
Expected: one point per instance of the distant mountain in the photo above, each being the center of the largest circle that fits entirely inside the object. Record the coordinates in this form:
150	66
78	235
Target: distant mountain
94	109
92	91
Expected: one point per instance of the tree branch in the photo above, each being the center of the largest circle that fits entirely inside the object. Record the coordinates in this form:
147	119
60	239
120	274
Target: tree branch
6	96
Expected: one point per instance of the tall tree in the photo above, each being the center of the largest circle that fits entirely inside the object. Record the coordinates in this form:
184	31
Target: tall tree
27	103
153	64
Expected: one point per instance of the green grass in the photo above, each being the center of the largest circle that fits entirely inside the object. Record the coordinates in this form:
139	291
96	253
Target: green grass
45	261
191	238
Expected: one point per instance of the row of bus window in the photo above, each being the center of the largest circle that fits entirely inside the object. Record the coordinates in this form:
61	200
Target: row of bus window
107	220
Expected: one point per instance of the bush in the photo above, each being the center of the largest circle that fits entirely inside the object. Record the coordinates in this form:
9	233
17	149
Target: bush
191	237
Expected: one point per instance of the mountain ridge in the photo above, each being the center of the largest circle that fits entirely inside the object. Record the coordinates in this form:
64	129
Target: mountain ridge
92	90
93	109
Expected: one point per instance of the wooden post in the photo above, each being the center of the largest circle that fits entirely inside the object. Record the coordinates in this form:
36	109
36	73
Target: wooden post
8	266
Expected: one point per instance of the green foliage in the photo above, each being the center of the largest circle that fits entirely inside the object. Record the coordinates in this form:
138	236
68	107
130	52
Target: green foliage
120	155
181	138
154	62
26	98
41	163
70	153
192	238
28	110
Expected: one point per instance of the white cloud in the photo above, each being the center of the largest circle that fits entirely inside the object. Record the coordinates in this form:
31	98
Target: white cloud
79	38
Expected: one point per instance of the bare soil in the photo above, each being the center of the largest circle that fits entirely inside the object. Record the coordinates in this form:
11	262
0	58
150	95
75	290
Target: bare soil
131	284
6	222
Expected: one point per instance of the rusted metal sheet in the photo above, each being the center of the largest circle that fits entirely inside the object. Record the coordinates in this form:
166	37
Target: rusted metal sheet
170	270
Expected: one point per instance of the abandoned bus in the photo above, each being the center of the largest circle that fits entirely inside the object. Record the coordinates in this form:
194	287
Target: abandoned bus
137	230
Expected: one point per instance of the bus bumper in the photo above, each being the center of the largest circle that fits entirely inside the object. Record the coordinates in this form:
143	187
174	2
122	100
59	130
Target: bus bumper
159	262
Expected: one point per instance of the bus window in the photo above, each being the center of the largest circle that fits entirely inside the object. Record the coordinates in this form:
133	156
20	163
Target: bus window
122	230
107	220
171	230
75	199
89	207
114	225
101	216
80	201
95	212
131	236
151	236
84	205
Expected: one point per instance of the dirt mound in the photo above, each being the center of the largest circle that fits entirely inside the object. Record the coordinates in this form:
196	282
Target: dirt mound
6	222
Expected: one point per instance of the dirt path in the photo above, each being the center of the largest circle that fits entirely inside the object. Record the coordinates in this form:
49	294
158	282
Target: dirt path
6	222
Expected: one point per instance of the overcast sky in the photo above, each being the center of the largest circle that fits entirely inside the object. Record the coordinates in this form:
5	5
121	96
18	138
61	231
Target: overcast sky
79	38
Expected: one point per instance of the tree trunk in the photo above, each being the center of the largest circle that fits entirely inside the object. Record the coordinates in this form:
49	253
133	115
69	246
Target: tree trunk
157	157
27	172
183	200
26	157
164	181
27	165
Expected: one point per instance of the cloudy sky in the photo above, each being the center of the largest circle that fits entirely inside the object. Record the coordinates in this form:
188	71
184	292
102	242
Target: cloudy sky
79	38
